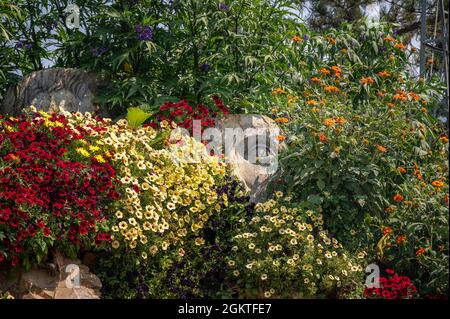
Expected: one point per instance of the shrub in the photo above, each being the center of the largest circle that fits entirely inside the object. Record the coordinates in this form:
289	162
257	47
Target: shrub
283	251
365	151
50	195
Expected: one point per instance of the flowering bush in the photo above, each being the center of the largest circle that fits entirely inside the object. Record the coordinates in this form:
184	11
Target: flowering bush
283	251
166	195
364	150
392	287
183	114
49	193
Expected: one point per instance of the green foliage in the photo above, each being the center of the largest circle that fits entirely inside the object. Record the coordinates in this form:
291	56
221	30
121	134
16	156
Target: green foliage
285	252
358	121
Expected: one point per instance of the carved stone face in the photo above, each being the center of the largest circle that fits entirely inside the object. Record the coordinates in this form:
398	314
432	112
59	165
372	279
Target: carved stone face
253	155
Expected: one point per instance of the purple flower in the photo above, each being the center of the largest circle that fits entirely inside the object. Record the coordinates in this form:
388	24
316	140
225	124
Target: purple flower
223	7
28	46
98	51
145	33
19	45
204	67
305	37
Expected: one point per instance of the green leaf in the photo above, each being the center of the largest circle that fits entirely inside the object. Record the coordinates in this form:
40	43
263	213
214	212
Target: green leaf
136	117
314	199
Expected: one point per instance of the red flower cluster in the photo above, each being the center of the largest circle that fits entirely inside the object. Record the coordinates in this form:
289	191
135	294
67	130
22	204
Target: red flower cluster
392	287
183	114
45	196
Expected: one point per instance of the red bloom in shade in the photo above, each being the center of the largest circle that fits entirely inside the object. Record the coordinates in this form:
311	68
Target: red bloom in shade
390	271
14	261
46	231
2	257
31	231
40	223
83	231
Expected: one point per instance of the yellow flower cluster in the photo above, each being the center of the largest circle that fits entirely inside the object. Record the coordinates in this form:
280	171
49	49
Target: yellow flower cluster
168	193
283	242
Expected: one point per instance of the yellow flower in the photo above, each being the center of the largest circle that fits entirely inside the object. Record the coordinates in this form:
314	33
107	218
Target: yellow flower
99	158
82	151
199	241
115	244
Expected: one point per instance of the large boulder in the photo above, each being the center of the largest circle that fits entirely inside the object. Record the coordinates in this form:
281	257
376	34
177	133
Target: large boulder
63	279
52	89
252	154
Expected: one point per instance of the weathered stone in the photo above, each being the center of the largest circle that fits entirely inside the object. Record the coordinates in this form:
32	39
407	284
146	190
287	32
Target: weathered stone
53	89
53	282
260	133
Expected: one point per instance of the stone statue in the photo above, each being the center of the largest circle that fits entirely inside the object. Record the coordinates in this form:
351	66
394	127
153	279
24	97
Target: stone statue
253	156
52	89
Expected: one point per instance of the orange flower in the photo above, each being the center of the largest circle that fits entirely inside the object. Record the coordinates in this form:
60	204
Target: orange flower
292	99
311	102
281	138
390	209
384	74
340	120
398	198
330	40
400	46
438	183
323	137
413	49
443	139
446	199
390	105
400	95
417	171
401	170
315	79
387	230
324	71
337	71
380	93
278	91
430	61
329	122
366	141
331	88
420	251
381	148
400	239
414	96
315	110
367	80
389	39
282	120
297	39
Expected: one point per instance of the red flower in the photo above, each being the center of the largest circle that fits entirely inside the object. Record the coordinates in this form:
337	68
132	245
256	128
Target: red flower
40	223
46	231
14	261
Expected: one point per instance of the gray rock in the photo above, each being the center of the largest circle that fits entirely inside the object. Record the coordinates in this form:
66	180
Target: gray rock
52	89
49	283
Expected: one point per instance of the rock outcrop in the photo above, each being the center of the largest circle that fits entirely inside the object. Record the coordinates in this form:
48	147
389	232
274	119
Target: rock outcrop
69	89
63	279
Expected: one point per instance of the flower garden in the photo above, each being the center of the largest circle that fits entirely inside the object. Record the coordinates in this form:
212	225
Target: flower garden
363	179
